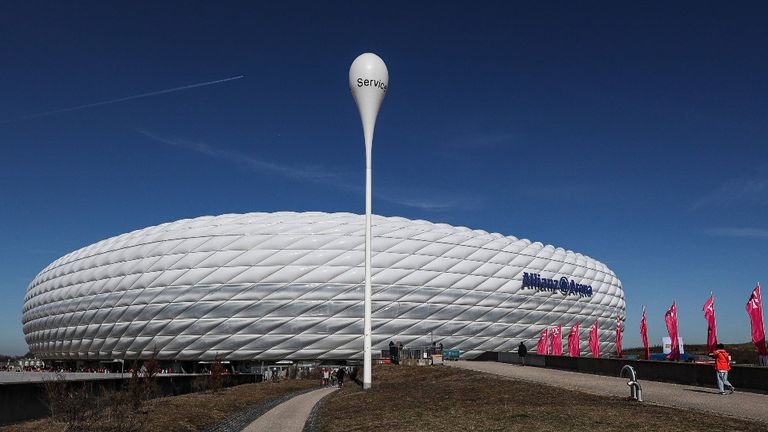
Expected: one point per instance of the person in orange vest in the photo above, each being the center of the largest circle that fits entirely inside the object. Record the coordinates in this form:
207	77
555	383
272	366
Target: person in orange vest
722	366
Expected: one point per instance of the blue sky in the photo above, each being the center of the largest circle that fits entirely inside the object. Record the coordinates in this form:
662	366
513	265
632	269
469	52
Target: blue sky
635	134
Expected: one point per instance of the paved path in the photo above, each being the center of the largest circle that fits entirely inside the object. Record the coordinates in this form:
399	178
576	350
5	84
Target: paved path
750	406
290	415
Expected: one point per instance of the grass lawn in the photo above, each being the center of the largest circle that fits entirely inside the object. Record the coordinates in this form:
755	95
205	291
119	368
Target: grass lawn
448	399
190	412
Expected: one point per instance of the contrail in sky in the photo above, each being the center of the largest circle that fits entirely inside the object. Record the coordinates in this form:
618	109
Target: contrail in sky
122	99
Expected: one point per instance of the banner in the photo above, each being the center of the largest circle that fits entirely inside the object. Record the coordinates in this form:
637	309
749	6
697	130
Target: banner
709	315
541	348
666	344
573	341
670	318
594	345
755	312
557	340
644	335
618	336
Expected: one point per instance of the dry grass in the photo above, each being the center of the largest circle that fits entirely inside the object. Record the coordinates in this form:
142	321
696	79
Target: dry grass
441	398
191	412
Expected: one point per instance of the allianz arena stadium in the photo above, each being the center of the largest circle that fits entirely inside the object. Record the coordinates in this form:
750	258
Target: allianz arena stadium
289	286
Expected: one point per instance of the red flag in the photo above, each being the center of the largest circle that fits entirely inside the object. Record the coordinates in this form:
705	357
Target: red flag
541	348
618	336
556	335
709	315
670	318
594	344
644	335
573	341
755	312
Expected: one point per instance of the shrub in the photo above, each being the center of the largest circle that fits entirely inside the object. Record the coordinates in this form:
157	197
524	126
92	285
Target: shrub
216	378
76	405
292	372
151	368
69	402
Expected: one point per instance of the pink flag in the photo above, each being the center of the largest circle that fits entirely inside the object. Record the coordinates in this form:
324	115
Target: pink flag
573	341
709	315
755	312
670	318
618	336
557	340
644	335
541	348
594	345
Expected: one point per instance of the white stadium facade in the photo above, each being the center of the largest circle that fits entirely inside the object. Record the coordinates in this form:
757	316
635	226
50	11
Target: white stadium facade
289	286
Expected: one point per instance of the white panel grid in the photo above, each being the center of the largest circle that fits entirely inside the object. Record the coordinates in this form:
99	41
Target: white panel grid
268	286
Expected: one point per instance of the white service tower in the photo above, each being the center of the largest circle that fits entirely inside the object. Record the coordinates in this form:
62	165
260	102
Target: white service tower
368	80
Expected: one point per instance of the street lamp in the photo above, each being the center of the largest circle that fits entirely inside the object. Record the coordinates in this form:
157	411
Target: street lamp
368	80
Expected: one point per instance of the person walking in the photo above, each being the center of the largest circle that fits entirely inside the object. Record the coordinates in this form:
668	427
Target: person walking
522	351
340	376
722	366
393	353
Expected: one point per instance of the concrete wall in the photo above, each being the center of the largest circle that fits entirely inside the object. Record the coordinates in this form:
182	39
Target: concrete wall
742	377
28	401
531	360
22	402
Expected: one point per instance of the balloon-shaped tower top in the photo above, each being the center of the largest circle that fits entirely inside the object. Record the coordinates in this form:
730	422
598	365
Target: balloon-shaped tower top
368	80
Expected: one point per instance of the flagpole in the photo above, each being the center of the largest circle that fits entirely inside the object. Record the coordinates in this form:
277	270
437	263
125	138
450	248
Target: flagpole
646	350
761	359
714	316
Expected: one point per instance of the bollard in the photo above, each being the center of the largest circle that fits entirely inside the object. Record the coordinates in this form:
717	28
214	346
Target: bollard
635	390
